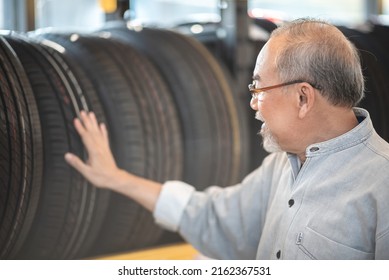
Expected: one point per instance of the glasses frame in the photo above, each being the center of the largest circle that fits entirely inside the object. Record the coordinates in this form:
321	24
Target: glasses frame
256	91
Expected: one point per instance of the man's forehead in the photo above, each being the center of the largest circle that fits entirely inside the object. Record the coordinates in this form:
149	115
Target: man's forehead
259	65
265	59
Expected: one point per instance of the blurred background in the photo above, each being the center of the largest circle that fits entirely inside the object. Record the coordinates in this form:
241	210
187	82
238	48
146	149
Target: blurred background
117	58
26	15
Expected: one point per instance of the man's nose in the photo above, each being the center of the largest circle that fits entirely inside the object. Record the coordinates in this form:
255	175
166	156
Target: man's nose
254	103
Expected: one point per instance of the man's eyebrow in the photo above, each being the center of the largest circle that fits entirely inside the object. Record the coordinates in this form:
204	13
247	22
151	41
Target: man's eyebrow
256	77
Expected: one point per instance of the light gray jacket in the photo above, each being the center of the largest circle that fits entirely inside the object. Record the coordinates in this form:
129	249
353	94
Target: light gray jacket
335	207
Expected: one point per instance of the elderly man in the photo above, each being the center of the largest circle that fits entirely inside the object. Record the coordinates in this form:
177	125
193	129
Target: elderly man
322	193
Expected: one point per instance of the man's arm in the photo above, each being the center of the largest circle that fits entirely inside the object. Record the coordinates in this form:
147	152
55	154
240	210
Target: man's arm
101	170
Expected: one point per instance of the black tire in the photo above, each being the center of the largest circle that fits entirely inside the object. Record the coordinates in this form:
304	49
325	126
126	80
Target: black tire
20	153
67	205
146	138
210	36
214	140
97	210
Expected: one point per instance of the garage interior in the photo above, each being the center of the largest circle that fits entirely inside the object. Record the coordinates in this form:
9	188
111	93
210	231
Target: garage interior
169	79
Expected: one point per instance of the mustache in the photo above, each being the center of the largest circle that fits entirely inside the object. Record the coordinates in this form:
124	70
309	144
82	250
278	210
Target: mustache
259	116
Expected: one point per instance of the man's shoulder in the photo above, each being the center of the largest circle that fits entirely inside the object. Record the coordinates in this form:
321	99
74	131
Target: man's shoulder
379	146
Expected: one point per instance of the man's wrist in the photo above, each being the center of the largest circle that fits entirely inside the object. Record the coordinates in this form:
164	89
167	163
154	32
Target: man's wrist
120	180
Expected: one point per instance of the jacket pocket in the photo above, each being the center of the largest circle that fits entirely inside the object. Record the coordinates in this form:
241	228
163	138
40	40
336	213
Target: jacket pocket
315	246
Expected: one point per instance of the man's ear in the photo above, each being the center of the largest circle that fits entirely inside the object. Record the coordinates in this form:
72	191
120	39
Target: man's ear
306	99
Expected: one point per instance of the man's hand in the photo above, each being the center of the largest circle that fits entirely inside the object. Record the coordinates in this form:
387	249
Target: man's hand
100	168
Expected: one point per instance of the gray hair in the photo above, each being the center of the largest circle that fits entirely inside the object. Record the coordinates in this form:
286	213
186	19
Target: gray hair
319	53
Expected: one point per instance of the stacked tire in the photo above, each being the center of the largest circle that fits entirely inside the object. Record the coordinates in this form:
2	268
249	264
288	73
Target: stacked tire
20	153
212	120
170	111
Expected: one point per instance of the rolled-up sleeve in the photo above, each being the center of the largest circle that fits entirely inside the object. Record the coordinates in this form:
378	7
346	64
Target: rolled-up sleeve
171	203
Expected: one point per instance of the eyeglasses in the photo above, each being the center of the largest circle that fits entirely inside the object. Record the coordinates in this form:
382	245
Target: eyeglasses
255	92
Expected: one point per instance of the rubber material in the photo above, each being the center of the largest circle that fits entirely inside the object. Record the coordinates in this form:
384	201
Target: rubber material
20	153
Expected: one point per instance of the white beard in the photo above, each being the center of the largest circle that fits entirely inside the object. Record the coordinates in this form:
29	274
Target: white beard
270	143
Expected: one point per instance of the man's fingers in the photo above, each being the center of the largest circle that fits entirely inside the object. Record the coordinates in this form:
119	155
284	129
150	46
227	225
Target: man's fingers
92	133
85	134
87	125
93	121
104	131
77	163
89	121
79	127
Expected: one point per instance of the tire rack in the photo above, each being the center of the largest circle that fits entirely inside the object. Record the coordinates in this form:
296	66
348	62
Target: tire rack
174	118
47	211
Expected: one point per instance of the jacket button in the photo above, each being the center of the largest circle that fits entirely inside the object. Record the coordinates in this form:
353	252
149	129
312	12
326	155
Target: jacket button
278	255
291	202
314	149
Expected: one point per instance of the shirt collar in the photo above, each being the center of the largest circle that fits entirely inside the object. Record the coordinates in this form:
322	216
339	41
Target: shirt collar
351	138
